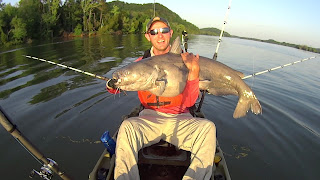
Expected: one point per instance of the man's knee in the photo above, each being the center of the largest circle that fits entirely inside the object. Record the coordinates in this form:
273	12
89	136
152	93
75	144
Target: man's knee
128	125
209	128
208	125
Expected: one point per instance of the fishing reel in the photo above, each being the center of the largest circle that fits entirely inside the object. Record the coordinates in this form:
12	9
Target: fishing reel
45	171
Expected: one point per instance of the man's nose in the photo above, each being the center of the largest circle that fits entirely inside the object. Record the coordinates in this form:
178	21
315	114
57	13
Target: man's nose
160	34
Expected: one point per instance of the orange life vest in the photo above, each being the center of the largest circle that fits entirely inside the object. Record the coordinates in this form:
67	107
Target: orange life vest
151	101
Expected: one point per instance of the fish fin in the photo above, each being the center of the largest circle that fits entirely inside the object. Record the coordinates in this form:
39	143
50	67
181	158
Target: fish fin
159	83
160	86
256	107
175	47
244	105
240	74
154	76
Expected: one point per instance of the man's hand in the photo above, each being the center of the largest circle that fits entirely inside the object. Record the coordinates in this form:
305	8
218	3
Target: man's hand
192	63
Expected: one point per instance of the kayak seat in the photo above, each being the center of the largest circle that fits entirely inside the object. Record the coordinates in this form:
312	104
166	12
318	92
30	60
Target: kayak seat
164	153
163	161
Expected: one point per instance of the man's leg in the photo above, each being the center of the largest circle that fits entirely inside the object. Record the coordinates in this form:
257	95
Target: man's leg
134	134
198	136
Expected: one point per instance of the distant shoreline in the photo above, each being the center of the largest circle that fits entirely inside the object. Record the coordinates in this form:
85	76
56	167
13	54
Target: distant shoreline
216	32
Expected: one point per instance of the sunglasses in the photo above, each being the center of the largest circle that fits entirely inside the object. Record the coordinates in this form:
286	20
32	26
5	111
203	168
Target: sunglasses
162	30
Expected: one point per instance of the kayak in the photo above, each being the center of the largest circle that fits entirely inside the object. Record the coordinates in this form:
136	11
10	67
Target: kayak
161	161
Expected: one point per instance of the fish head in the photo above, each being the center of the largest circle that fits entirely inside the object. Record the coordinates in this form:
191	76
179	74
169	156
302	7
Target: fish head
137	76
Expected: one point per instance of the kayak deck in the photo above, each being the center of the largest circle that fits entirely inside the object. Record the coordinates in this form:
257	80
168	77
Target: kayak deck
161	161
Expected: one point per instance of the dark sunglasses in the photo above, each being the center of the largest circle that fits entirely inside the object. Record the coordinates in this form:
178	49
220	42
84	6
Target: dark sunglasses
162	30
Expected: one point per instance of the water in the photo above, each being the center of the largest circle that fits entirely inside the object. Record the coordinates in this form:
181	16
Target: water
64	113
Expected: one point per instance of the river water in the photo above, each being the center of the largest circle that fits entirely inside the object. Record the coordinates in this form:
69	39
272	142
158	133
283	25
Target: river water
64	113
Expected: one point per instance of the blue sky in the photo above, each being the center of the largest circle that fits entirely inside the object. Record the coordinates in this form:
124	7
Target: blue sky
292	21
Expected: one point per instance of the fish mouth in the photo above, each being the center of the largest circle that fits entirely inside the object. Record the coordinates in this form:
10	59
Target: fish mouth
121	82
118	77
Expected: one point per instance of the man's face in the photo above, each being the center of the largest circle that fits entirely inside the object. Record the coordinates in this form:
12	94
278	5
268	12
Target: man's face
160	40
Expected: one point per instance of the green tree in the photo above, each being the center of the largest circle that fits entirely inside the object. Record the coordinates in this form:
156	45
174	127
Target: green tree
87	7
179	28
30	11
78	30
3	38
115	21
19	29
71	15
50	16
7	12
126	23
103	8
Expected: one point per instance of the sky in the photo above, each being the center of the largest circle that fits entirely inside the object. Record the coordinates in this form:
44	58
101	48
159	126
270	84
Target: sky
291	21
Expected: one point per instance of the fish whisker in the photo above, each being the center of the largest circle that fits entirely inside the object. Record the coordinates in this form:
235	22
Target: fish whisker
124	92
117	91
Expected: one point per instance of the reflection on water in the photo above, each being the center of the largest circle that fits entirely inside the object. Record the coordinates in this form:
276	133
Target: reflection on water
96	55
49	103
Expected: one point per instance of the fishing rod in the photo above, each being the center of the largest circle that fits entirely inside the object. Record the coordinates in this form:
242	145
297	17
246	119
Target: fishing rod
222	30
48	164
216	53
113	81
68	67
110	82
278	67
154	8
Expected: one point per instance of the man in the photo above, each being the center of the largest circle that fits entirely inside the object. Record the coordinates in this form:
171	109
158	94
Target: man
167	118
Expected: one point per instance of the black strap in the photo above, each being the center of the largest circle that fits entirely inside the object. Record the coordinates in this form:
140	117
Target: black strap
146	54
158	104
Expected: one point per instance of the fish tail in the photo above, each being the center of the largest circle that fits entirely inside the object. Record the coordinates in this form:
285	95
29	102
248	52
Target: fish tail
256	107
244	105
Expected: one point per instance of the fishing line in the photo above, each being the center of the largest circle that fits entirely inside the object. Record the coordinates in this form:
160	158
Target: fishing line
253	60
222	30
77	70
68	67
28	151
278	67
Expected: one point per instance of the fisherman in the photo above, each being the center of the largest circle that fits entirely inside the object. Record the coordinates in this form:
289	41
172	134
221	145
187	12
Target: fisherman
185	39
167	118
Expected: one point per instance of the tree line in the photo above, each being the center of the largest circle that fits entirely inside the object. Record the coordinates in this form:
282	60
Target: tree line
297	46
44	19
